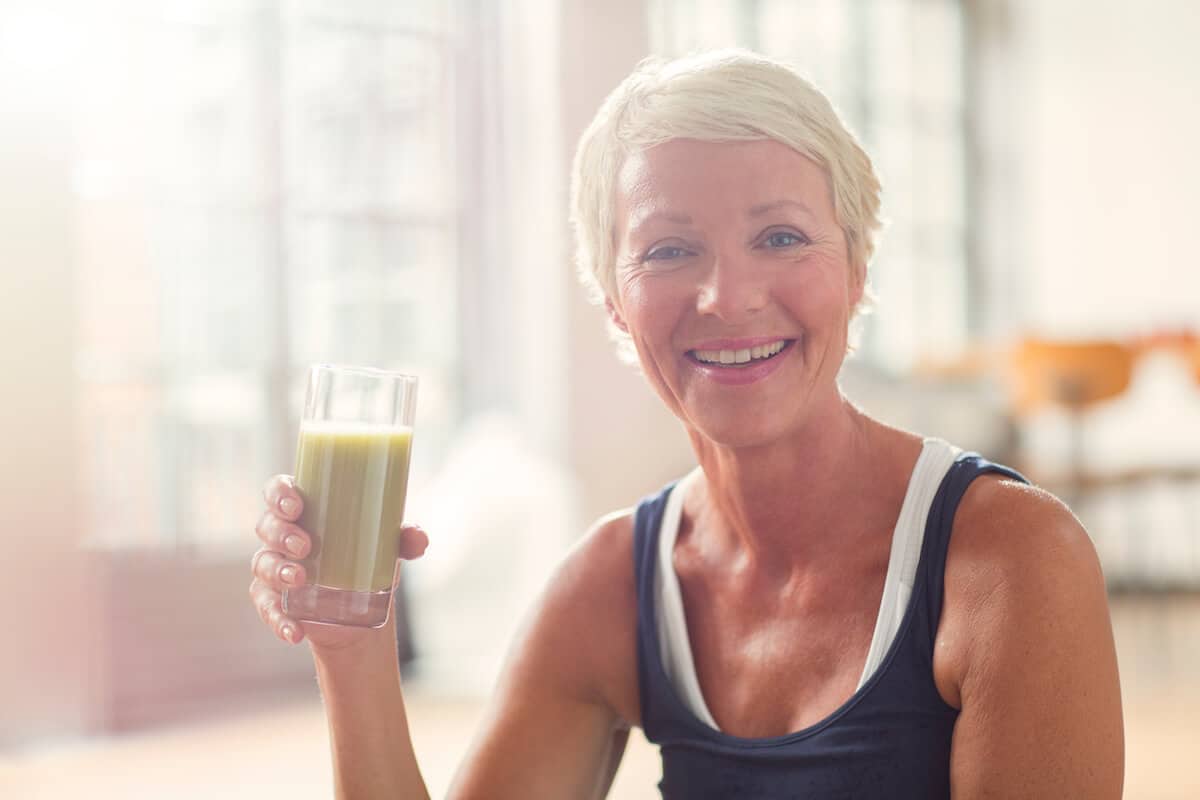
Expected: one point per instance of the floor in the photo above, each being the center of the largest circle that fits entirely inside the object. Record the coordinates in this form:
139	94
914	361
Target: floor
283	748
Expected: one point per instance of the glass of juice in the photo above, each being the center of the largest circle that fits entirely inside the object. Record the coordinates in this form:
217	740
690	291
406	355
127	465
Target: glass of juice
352	471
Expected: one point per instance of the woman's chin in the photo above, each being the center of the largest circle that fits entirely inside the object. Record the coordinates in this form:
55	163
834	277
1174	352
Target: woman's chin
744	431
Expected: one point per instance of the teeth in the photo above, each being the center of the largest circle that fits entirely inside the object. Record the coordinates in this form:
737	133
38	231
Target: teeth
743	356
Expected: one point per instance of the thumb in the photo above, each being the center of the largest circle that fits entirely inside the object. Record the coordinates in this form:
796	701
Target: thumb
413	541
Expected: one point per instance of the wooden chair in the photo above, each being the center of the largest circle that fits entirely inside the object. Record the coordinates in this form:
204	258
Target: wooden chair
1191	352
1075	376
1078	377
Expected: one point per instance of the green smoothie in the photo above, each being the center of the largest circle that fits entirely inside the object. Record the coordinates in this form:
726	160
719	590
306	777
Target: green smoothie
353	478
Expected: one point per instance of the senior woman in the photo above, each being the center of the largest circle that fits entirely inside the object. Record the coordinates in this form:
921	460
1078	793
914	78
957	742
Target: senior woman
826	606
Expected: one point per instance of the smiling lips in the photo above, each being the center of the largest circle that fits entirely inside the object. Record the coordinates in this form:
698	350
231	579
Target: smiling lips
739	357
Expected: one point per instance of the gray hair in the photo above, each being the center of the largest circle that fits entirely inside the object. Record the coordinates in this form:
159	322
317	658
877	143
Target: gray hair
722	95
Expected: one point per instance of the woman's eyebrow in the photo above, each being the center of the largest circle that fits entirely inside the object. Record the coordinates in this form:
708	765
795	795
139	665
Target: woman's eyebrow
660	216
766	208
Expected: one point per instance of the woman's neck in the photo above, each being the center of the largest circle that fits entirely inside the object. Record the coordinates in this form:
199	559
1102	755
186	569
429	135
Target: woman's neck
789	502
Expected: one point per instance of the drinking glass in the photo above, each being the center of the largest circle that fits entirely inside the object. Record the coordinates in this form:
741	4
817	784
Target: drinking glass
352	472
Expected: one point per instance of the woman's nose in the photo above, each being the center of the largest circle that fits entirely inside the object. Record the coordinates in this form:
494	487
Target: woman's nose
732	288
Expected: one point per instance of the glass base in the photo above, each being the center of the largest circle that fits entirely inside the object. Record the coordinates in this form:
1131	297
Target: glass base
325	604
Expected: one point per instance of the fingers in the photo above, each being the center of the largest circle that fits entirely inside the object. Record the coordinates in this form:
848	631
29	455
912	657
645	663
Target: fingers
272	570
413	541
281	535
276	571
268	604
283	498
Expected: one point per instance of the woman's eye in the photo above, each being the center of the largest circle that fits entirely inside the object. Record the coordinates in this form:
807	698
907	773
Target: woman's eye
781	239
665	253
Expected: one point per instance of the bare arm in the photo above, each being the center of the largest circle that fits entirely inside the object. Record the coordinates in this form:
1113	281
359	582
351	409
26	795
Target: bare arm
556	726
550	731
1038	684
541	737
357	668
368	726
558	722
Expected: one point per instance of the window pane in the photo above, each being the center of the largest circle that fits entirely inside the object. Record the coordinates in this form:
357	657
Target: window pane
279	191
367	122
433	16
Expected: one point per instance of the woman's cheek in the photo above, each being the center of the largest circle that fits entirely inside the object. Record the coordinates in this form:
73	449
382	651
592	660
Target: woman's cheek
637	301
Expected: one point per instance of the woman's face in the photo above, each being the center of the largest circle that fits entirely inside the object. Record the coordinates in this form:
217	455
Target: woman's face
734	283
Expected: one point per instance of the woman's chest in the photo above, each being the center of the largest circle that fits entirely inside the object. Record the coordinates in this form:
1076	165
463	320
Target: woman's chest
771	665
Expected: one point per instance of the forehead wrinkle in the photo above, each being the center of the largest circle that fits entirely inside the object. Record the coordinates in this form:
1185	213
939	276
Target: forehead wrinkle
643	189
640	202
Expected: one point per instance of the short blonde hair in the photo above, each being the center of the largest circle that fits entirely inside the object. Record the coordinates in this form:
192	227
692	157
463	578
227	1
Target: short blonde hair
722	95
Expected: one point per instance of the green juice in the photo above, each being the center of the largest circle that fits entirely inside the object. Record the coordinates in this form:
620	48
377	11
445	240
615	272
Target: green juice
353	478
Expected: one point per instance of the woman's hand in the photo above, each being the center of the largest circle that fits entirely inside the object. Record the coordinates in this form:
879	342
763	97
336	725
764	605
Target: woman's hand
276	566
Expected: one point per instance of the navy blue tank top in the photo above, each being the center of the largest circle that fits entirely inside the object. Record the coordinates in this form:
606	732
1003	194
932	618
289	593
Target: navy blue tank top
890	739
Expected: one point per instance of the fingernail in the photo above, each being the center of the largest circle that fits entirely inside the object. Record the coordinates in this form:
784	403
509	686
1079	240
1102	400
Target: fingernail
289	506
289	632
294	544
288	573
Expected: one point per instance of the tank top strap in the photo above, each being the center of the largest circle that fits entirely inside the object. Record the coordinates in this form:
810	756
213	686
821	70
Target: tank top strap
938	528
647	521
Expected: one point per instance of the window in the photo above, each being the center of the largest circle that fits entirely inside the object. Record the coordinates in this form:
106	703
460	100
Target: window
894	71
274	184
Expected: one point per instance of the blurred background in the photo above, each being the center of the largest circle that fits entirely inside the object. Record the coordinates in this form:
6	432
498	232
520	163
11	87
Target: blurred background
200	198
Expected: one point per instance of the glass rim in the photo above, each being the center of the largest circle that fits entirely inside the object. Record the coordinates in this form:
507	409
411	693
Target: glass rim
373	372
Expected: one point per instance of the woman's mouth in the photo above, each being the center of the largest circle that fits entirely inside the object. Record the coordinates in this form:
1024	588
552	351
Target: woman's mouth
740	358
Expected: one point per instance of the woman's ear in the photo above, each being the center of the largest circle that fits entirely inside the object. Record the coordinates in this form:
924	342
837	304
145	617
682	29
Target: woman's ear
858	284
615	315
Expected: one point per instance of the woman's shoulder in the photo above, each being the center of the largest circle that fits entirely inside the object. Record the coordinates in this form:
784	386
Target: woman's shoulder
1025	648
1019	565
589	610
1006	523
603	557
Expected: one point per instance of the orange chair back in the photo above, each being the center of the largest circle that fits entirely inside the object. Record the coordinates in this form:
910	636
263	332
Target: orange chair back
1073	375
